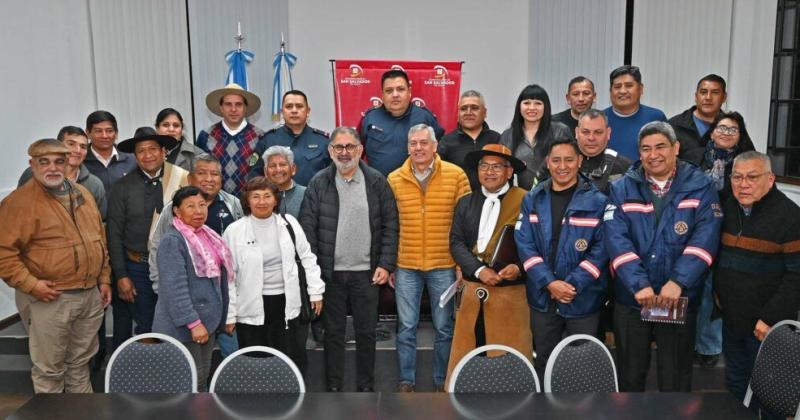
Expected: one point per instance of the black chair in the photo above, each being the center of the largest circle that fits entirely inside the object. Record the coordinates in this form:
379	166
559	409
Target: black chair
775	380
162	367
580	363
510	372
243	374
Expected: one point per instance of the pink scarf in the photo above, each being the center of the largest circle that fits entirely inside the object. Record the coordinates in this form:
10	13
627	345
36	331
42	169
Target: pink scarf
208	250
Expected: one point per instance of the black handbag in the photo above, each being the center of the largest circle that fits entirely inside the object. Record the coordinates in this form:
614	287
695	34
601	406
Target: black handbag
307	313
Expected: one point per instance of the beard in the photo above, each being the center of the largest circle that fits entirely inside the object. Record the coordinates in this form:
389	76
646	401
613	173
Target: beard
345	166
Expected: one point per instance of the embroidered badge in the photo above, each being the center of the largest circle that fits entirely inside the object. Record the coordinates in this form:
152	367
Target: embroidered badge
681	227
581	245
609	213
253	159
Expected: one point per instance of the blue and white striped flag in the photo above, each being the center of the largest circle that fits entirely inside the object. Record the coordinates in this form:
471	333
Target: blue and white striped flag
237	73
282	82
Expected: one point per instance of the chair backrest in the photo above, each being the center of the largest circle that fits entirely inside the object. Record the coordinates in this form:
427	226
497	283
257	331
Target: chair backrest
580	363
510	372
775	380
243	374
163	367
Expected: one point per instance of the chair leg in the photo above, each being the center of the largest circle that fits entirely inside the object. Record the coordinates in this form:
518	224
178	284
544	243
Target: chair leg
748	396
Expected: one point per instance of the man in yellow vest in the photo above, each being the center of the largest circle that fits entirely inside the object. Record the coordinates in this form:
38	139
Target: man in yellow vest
493	308
427	190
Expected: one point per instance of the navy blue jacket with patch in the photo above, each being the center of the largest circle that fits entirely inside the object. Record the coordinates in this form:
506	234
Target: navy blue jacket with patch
681	248
581	258
385	137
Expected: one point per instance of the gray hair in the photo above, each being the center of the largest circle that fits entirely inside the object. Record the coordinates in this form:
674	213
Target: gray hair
204	157
422	127
593	114
278	151
338	131
754	155
658	127
474	94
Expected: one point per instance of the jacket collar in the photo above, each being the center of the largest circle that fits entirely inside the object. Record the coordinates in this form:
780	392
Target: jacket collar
580	200
407	173
687	176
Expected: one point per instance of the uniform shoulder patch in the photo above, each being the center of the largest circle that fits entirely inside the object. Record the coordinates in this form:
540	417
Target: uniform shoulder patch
608	214
320	132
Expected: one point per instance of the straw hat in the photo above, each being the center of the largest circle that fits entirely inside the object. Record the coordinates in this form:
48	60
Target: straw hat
251	99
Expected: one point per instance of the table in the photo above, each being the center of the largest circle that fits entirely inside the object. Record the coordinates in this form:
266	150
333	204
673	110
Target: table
367	406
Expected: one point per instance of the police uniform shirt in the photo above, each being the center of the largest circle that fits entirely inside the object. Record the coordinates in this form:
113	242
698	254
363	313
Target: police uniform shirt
310	149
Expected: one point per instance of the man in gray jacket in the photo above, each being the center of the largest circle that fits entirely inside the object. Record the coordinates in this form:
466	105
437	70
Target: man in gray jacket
339	203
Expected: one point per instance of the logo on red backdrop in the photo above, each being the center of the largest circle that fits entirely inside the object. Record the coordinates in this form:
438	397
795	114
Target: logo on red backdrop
356	76
435	84
440	77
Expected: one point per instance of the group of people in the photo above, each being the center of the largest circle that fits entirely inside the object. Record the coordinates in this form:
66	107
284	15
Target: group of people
610	212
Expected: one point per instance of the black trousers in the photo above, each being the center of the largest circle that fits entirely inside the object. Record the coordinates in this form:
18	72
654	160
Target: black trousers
674	355
355	286
289	339
549	328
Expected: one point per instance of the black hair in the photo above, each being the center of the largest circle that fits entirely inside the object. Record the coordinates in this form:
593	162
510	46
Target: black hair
166	112
395	73
563	140
295	92
70	130
255	184
185	192
518	123
633	71
97	117
745	142
714	78
579	79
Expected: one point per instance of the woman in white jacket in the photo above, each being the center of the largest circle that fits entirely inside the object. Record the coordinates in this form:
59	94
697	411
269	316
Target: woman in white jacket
265	295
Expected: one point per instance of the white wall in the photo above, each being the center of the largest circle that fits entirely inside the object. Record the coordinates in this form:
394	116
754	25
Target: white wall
490	38
565	44
677	42
212	26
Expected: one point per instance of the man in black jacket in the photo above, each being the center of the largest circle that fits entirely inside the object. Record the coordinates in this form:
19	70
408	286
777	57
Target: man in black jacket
350	218
691	125
757	277
471	135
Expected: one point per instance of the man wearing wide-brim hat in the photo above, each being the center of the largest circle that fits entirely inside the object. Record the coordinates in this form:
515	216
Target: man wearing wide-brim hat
134	203
493	308
53	253
233	140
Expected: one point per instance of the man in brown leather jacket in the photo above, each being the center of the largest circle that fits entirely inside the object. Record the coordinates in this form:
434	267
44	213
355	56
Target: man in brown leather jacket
53	252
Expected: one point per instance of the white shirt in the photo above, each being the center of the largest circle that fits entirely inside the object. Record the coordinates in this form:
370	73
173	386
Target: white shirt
235	131
103	160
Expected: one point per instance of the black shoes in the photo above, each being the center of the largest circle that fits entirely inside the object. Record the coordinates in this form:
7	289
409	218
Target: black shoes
707	361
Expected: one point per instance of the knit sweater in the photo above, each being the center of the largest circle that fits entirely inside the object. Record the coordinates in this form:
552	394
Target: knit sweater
757	276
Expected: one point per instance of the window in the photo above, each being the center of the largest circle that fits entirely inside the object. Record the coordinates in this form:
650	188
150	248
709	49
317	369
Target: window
784	115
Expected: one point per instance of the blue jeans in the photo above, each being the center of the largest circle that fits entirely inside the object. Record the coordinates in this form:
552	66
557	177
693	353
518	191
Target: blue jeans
708	339
228	344
408	293
143	307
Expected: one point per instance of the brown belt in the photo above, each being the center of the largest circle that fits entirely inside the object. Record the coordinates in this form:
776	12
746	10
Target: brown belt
137	257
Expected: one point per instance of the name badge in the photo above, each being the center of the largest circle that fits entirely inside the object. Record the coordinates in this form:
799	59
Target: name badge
313	146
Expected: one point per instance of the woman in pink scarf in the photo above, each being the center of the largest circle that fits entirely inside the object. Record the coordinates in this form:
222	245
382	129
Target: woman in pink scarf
195	269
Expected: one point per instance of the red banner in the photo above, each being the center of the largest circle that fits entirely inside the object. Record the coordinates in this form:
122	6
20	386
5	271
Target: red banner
434	85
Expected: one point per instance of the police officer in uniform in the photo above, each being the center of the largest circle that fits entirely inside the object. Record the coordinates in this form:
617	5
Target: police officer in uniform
384	129
309	145
601	164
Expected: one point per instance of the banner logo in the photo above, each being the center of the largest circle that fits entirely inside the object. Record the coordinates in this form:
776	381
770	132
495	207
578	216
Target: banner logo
397	67
356	70
440	77
376	101
355	77
418	102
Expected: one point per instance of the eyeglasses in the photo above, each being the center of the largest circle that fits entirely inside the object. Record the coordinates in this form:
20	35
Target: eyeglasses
495	167
751	178
724	129
339	148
